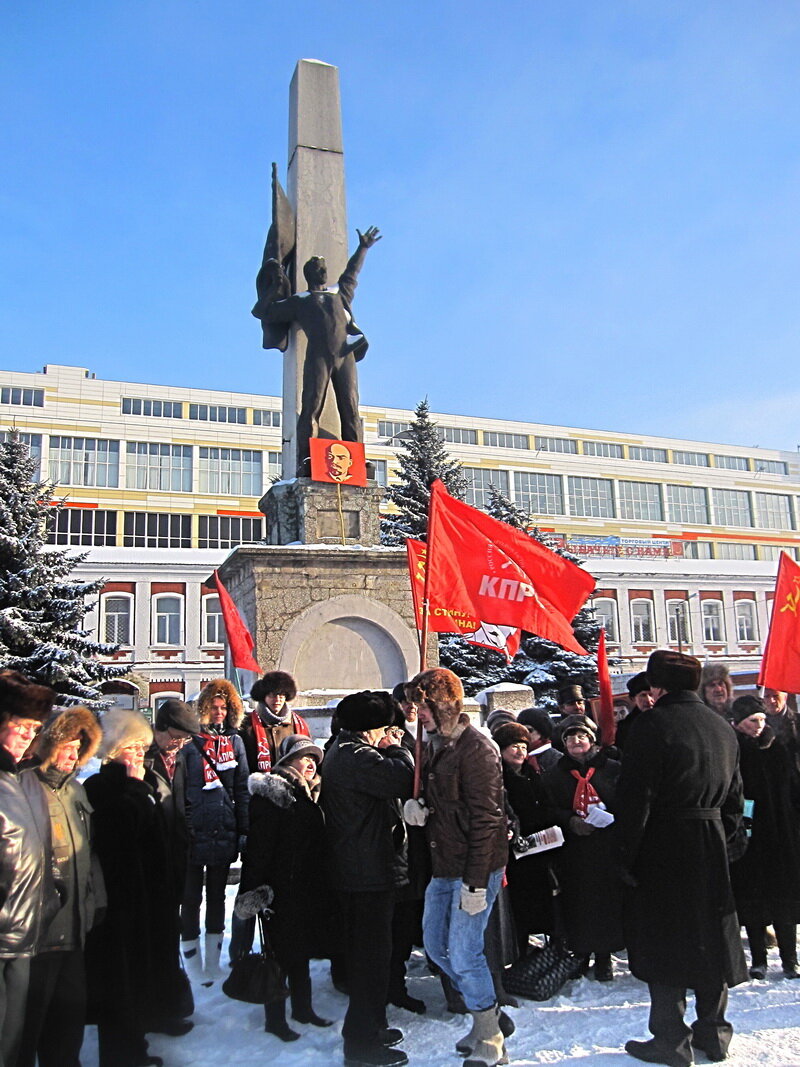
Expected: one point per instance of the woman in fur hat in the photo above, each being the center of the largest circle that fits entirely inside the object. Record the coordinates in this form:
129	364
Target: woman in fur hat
591	893
56	1009
217	804
766	880
129	953
285	852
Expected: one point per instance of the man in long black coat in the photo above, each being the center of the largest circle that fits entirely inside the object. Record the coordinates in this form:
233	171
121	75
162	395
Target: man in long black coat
679	809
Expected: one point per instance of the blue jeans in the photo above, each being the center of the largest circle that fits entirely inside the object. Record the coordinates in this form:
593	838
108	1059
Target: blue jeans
454	940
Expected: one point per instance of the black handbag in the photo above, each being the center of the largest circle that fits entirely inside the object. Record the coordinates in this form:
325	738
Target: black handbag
257	978
540	974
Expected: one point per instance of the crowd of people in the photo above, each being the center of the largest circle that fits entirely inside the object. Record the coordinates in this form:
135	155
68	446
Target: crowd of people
670	839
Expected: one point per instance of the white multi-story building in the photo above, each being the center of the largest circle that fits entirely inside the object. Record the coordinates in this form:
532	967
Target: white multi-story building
161	483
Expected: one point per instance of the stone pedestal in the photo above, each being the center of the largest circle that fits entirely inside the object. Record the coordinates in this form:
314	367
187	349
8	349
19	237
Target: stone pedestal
335	618
319	513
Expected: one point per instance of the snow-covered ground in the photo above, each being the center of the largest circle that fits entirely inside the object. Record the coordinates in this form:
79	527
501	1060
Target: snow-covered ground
588	1024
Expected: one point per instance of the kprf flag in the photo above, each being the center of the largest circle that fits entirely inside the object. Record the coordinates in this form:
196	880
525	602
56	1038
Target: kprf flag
497	574
607	723
444	619
239	640
780	666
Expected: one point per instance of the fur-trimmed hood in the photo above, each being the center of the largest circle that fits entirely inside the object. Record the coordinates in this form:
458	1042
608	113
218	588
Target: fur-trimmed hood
280	786
443	692
71	724
221	687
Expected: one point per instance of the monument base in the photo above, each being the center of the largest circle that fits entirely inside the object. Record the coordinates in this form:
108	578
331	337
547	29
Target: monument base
321	513
337	619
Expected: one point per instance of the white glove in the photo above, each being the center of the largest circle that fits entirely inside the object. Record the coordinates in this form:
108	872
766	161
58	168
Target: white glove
415	812
473	901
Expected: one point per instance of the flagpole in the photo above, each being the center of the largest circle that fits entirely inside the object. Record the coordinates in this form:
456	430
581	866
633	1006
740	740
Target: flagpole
341	513
423	640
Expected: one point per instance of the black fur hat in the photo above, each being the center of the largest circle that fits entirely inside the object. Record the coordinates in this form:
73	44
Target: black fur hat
21	697
367	710
537	719
640	683
274	682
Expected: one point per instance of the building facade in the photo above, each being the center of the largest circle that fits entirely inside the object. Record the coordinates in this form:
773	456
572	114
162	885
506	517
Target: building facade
160	483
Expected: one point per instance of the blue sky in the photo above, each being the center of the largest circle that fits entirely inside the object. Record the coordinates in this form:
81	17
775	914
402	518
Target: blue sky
591	208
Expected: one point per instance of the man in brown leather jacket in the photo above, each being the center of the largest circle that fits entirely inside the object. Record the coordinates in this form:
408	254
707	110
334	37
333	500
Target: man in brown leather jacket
467	833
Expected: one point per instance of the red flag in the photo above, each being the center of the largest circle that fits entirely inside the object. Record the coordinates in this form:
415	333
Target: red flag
492	572
443	619
780	666
239	640
607	723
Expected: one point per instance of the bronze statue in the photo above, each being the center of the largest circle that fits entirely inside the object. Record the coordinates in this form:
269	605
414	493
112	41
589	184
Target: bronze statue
335	343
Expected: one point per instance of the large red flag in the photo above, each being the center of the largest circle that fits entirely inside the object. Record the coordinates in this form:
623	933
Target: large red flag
444	619
239	640
487	569
607	723
780	666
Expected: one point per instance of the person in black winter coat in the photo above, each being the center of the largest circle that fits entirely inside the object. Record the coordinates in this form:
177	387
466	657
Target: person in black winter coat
530	883
129	954
766	880
364	775
679	806
216	802
591	893
285	852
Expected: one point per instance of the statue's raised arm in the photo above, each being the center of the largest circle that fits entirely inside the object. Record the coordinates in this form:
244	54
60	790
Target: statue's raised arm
349	277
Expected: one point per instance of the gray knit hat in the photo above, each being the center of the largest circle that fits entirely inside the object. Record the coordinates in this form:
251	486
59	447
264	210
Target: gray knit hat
296	745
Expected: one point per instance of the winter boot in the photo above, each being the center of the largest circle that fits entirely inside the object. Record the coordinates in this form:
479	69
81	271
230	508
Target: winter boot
467	1043
489	1047
301	1003
213	950
275	1021
192	959
400	997
603	967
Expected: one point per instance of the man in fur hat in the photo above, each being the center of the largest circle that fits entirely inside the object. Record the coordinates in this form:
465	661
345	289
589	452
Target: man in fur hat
642	700
28	897
716	688
56	1007
463	812
679	812
366	771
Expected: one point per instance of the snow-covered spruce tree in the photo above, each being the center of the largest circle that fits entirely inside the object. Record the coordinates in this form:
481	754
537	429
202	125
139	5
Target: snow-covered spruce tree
543	665
422	458
41	609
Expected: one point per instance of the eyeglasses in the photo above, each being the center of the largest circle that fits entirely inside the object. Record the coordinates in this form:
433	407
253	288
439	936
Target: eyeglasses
25	728
178	736
578	735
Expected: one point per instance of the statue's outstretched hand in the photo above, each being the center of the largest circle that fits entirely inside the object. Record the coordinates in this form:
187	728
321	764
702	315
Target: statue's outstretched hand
369	237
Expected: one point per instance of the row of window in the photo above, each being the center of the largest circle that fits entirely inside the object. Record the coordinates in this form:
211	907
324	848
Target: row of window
167	619
544	494
27	398
712	621
95	462
173	409
142	529
606	449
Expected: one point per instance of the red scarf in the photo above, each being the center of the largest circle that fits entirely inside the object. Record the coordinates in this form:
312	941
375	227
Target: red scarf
219	749
263	751
585	793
